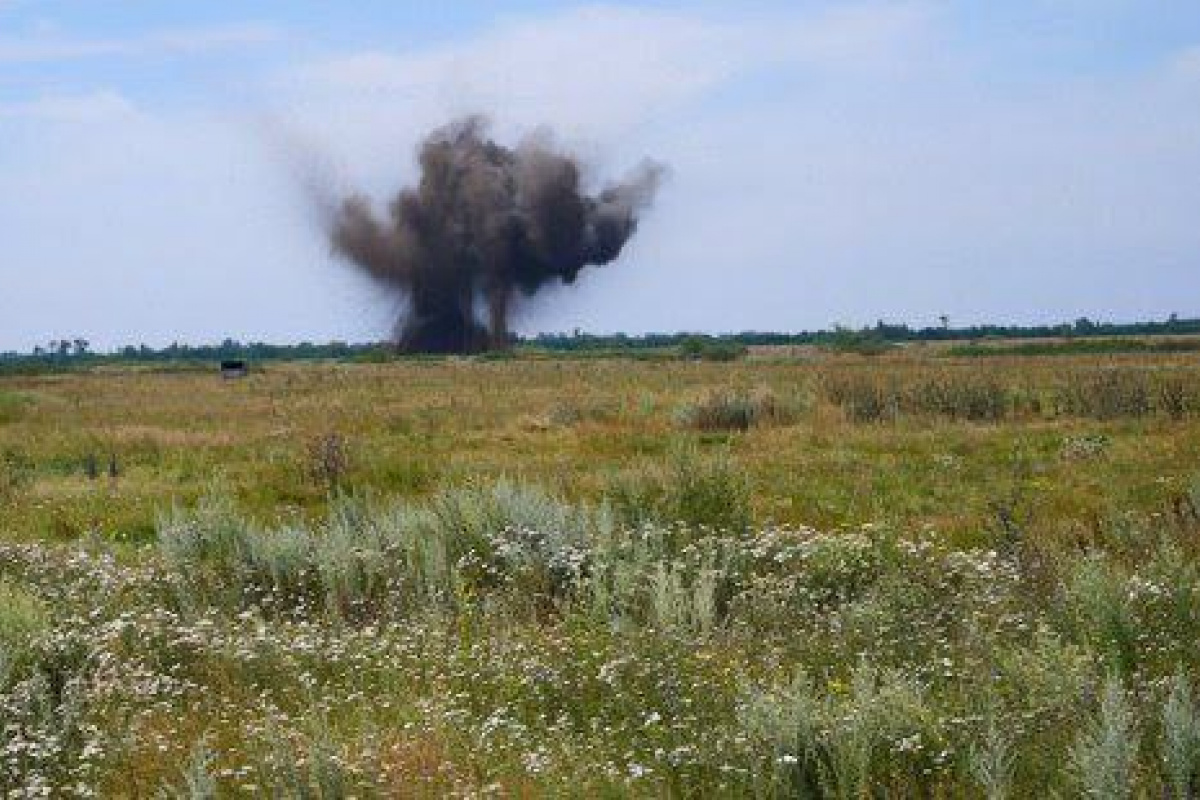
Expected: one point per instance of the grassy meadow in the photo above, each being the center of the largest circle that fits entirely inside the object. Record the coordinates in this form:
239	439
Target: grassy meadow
922	573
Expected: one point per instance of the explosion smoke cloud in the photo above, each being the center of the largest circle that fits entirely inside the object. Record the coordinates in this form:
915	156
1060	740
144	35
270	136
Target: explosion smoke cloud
486	225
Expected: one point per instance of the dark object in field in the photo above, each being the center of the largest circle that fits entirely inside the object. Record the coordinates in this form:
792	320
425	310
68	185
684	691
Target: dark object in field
485	222
234	368
329	460
114	469
91	467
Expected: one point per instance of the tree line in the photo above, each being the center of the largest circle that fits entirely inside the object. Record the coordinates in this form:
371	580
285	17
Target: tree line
73	352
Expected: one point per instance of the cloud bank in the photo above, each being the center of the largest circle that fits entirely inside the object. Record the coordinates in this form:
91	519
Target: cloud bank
36	49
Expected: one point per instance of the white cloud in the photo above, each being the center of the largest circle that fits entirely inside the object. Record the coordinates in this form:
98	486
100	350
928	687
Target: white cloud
37	49
602	70
1186	62
105	105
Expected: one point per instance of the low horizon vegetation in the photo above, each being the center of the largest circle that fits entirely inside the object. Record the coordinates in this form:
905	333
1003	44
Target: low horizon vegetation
1082	336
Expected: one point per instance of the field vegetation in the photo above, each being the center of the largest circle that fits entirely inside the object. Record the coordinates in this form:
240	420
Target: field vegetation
847	574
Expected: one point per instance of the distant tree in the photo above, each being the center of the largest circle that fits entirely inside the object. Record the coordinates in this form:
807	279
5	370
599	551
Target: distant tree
692	347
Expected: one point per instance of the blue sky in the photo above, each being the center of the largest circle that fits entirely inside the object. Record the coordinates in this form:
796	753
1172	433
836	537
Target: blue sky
1024	161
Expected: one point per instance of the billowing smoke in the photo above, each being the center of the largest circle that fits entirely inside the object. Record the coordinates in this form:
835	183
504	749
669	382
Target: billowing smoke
486	225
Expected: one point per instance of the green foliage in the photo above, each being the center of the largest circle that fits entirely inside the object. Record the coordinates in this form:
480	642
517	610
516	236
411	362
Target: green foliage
733	411
365	561
694	490
1181	739
765	662
866	342
48	733
22	619
1107	394
1105	754
16	472
311	768
981	396
862	398
854	738
1097	600
14	405
1071	347
978	398
197	781
703	348
992	763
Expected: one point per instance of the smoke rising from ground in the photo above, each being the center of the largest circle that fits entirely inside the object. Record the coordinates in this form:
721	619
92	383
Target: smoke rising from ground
486	225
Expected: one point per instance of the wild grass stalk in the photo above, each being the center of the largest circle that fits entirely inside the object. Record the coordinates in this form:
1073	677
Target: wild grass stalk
991	762
1181	739
197	781
1104	756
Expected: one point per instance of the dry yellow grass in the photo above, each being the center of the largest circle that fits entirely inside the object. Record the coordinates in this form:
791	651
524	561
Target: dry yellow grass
572	425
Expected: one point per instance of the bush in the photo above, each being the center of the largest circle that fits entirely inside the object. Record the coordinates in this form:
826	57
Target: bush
13	406
329	461
1085	447
693	490
991	763
16	472
732	411
364	561
980	395
699	348
1105	754
876	728
974	397
863	398
1100	612
863	343
22	619
1106	394
1181	739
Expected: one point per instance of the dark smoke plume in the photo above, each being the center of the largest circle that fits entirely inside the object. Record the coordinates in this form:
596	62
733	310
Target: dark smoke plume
485	225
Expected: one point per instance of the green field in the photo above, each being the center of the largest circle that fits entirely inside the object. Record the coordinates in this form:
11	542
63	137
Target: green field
802	573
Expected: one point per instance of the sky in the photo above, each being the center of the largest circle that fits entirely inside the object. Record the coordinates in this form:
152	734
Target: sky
830	162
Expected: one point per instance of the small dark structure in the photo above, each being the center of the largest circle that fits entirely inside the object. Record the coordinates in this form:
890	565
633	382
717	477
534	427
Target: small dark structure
234	368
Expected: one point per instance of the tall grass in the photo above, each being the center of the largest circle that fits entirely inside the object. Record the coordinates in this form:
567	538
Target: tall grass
1181	739
1104	755
692	488
727	410
848	742
863	398
532	641
14	405
992	762
365	561
972	394
23	617
1101	614
197	781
